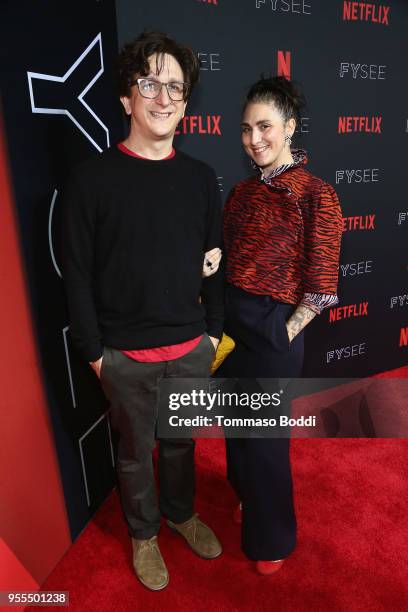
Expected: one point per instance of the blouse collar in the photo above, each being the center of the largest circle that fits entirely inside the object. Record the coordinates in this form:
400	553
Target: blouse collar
299	159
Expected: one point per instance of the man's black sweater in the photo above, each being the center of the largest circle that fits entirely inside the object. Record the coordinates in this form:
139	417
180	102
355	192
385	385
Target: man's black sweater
134	236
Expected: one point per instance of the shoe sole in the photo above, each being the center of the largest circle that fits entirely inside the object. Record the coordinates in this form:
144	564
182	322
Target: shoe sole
151	588
193	549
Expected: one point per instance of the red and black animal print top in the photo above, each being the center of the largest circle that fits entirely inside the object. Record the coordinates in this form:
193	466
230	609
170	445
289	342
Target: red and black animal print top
282	236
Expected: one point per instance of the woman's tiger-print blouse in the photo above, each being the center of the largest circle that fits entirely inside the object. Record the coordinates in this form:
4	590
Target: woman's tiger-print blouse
282	236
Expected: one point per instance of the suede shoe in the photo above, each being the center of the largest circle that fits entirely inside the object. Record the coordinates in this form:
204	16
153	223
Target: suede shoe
201	539
149	564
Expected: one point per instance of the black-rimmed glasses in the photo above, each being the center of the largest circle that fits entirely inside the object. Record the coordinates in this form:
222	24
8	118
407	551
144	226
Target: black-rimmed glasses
150	88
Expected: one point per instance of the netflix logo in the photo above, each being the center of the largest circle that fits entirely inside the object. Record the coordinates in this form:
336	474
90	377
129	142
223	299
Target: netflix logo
348	312
369	125
200	124
284	64
364	11
215	2
403	337
366	222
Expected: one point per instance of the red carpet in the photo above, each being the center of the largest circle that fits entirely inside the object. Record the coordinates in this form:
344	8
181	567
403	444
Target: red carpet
352	554
351	500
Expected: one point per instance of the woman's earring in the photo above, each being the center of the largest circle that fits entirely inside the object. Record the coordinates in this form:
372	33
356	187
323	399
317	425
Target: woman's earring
288	140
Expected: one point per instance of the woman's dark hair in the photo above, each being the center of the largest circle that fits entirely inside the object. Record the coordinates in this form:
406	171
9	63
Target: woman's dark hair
134	59
283	94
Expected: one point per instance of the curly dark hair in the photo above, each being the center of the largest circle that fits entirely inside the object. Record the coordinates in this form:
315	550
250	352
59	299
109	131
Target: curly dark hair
133	60
283	94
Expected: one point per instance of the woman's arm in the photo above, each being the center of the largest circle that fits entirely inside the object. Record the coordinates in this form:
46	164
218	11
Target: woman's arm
298	321
322	245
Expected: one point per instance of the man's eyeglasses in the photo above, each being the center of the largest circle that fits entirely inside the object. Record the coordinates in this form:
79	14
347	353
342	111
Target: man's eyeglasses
150	88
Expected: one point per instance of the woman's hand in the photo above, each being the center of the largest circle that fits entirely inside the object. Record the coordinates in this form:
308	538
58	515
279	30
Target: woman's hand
215	342
211	262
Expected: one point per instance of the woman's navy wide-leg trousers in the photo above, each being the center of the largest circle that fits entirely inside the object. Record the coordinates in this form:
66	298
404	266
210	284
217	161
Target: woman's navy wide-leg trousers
259	468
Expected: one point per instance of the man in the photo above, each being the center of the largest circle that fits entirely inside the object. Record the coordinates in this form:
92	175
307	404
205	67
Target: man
137	220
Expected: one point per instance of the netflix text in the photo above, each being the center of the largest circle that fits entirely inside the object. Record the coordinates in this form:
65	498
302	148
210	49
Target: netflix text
200	124
348	312
360	222
365	11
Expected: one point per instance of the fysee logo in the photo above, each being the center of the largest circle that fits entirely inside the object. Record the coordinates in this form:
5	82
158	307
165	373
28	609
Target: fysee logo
364	11
215	2
369	125
303	127
399	300
200	124
402	217
209	61
366	175
287	6
345	352
363	71
355	269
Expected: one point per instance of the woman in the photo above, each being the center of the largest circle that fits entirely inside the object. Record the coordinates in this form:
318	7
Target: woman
282	231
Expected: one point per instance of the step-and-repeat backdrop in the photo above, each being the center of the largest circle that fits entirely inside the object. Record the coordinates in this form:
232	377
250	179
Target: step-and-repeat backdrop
60	107
348	58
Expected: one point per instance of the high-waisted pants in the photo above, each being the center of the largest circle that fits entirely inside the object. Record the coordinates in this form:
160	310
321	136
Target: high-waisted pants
259	468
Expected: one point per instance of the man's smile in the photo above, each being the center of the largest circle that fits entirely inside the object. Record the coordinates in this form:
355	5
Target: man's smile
160	115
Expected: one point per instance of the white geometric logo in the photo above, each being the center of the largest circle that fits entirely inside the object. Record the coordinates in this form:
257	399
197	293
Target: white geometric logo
74	113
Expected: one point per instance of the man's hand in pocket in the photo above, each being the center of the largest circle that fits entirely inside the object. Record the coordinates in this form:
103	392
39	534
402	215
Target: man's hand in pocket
96	366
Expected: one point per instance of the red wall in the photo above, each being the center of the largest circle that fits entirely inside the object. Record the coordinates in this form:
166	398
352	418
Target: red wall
33	519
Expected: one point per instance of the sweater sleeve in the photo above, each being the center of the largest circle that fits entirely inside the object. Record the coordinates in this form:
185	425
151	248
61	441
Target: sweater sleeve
323	231
78	230
227	225
212	290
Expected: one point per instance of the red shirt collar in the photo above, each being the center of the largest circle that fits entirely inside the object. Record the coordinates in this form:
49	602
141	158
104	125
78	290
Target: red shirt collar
124	149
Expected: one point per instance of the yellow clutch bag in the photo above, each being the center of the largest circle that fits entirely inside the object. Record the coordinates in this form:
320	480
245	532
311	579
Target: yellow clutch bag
224	348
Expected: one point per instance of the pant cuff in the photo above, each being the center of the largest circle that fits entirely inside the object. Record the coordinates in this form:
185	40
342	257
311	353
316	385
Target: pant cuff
179	518
145	534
